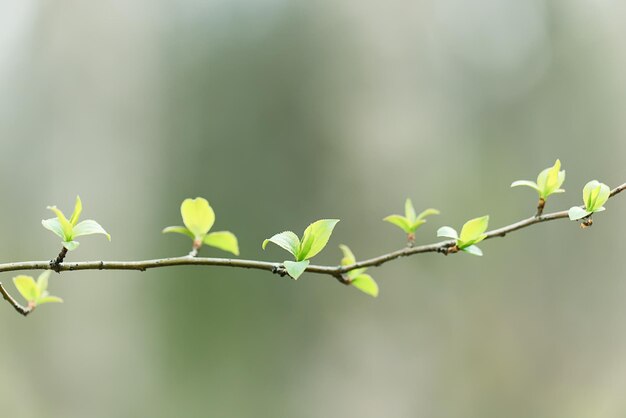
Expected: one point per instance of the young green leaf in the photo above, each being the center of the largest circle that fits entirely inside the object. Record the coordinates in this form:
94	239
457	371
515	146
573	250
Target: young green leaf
447	232
473	231
410	221
199	217
349	259
548	182
315	238
27	287
67	230
286	240
296	268
223	240
366	284
595	195
35	292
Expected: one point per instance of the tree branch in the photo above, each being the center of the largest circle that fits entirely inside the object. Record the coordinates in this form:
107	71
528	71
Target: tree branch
338	272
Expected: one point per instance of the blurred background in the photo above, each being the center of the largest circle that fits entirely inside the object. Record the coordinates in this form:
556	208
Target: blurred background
283	112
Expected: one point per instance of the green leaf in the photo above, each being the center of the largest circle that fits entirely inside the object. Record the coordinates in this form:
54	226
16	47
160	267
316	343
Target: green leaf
427	212
447	232
224	240
550	179
90	227
198	216
27	287
595	195
48	299
317	234
78	208
178	230
54	225
525	183
365	284
473	231
66	226
576	212
287	240
348	257
399	221
296	268
71	245
42	281
409	211
472	249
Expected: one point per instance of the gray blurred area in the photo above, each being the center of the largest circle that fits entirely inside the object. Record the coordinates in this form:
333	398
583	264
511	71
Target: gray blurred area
283	112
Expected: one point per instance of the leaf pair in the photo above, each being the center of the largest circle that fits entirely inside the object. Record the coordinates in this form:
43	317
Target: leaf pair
314	239
35	293
364	282
595	195
472	233
198	217
67	230
410	221
548	182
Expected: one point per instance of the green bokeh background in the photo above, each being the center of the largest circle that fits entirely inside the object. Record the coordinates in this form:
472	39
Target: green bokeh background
283	112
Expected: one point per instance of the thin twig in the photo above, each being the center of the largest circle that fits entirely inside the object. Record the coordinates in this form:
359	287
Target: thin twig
338	272
19	308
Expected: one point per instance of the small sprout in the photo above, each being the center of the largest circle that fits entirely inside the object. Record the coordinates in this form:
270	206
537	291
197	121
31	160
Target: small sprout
595	195
410	221
548	182
472	233
364	282
315	238
67	230
35	293
198	217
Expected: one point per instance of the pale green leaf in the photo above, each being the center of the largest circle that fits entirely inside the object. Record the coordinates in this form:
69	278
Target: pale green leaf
90	227
417	224
287	240
296	268
553	178
366	284
447	232
27	287
409	211
318	233
473	230
603	196
576	212
348	257
66	226
427	212
399	221
198	216
71	245
42	281
54	225
78	208
525	183
178	230
49	299
472	249
224	240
